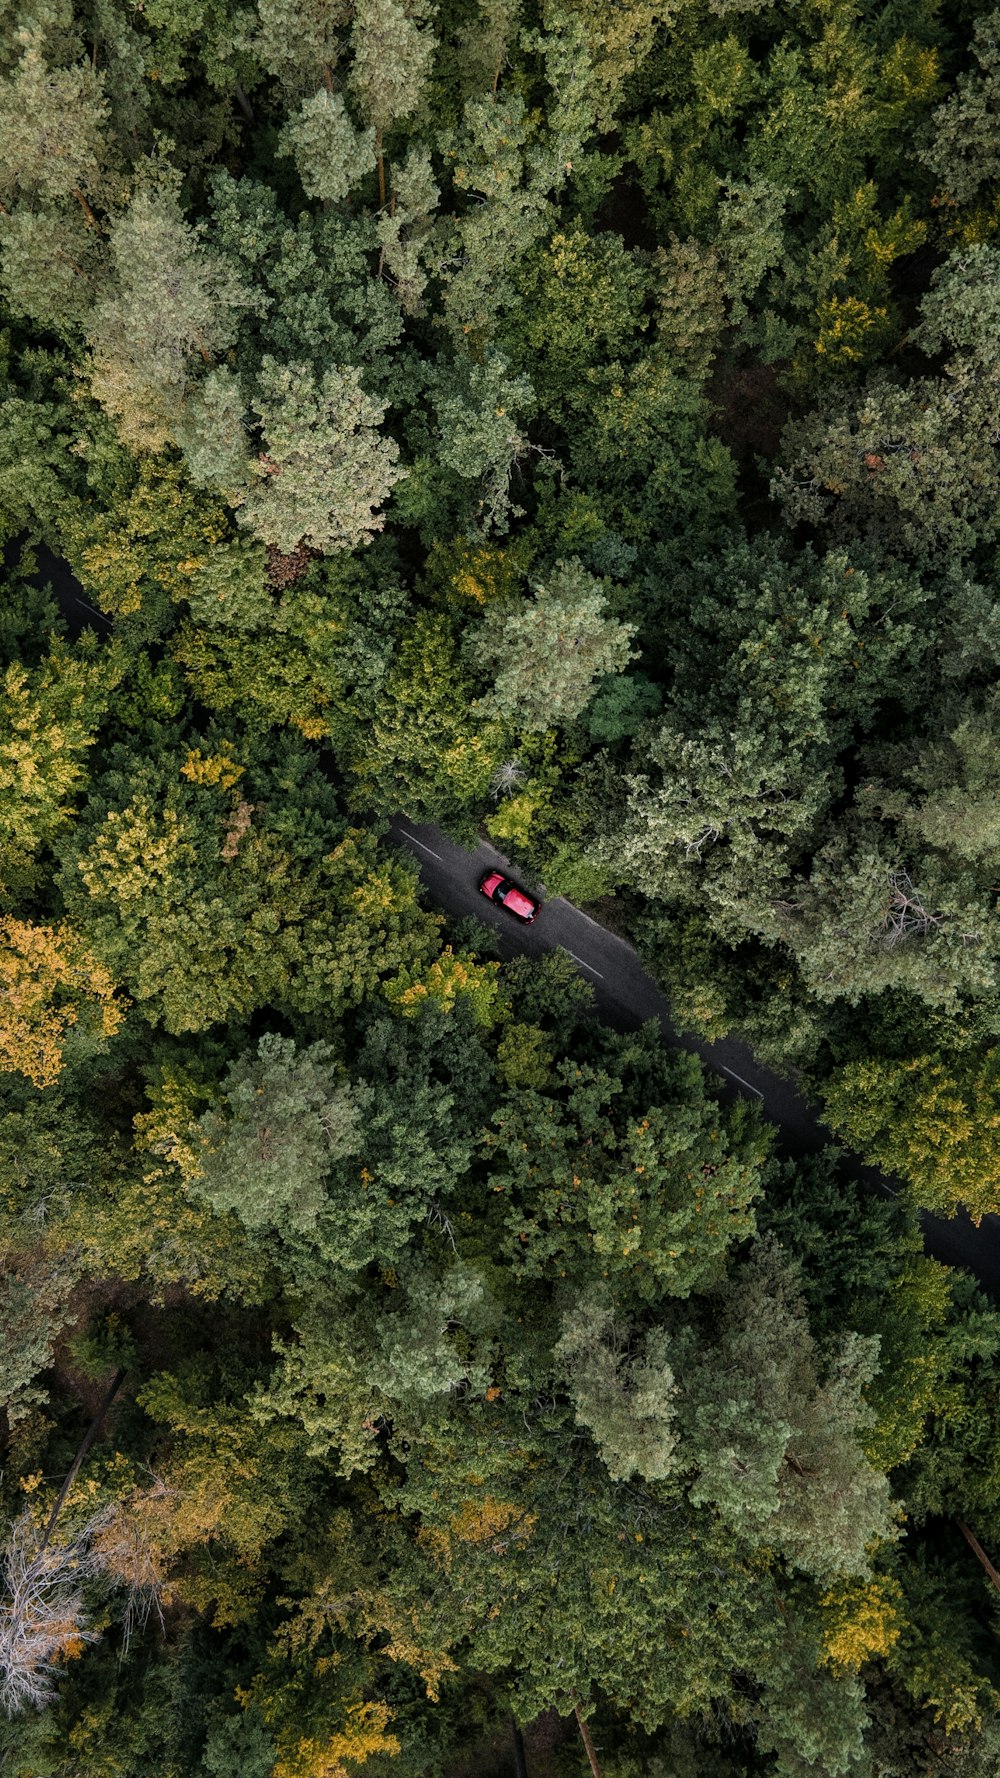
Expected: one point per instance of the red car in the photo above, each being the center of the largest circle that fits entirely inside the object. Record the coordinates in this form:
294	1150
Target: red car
507	895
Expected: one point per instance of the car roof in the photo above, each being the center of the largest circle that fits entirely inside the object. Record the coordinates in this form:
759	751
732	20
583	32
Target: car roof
518	902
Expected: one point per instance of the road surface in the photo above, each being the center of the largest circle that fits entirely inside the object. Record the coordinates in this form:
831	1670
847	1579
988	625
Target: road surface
627	996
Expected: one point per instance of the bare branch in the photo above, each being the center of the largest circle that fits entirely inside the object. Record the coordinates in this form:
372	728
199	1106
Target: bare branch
905	915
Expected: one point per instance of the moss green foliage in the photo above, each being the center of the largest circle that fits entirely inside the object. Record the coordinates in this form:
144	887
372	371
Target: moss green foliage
576	421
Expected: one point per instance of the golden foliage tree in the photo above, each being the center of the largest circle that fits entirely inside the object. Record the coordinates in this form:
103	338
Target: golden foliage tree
50	985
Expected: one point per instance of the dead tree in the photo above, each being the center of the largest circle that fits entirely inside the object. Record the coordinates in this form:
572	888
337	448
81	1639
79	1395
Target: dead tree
43	1616
42	1619
905	916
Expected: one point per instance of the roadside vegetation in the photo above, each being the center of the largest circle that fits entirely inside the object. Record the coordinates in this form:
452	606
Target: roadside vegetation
575	422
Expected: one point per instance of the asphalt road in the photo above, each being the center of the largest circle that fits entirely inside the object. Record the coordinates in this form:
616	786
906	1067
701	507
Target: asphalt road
627	996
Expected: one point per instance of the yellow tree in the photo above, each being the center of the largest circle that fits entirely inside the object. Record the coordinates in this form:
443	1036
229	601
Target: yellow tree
931	1119
428	751
50	985
861	1622
48	720
448	979
362	1734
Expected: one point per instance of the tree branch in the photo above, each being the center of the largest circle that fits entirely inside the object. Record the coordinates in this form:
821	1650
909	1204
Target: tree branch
587	1742
88	1439
978	1551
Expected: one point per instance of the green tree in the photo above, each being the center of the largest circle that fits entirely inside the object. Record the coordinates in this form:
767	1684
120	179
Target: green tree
583	305
623	703
330	154
287	1118
640	444
491	160
393	51
810	1720
300	41
515	162
484	45
35	1307
909	468
619	1169
962	153
52	123
51	266
775	1442
147	544
325	468
862	921
624	1397
172	301
212	434
318	296
548	655
406	230
429	1347
480	409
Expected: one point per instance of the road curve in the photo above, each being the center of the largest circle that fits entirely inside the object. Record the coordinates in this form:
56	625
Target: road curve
627	996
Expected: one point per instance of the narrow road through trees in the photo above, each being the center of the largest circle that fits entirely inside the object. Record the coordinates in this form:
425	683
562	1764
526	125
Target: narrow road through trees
627	996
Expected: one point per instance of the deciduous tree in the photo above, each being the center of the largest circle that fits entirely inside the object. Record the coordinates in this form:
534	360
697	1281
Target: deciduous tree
56	995
930	1119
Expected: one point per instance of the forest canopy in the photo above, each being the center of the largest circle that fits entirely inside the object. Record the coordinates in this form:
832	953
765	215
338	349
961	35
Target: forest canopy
572	423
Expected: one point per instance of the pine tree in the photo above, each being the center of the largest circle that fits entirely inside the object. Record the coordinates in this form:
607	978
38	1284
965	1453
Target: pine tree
300	41
962	153
331	155
480	409
51	267
52	124
173	302
774	1442
549	654
287	1119
484	46
622	1395
405	231
325	468
393	51
212	434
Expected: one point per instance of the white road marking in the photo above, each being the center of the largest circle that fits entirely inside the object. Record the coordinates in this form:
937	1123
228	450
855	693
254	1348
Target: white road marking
94	611
606	930
583	962
739	1077
415	842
